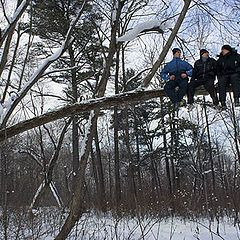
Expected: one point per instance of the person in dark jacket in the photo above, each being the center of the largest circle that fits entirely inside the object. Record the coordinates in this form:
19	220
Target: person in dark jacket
228	71
204	73
176	74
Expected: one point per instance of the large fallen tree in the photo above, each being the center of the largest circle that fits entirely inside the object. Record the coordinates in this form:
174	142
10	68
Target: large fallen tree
77	108
84	106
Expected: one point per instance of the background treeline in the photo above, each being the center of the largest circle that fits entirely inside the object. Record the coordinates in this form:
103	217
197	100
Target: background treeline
167	164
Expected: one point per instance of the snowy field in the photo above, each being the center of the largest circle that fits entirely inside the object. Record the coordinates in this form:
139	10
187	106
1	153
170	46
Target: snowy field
46	223
153	229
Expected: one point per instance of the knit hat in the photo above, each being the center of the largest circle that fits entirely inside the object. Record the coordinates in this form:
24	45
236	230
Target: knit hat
175	50
227	47
202	51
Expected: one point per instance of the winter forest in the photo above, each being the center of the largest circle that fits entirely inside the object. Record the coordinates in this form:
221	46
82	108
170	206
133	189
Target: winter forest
91	147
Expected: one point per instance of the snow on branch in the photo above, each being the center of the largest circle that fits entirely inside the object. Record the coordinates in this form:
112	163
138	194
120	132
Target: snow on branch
39	72
154	25
78	108
84	106
12	23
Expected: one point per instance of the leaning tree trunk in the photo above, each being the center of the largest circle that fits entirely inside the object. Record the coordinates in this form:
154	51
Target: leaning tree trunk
47	181
168	44
77	208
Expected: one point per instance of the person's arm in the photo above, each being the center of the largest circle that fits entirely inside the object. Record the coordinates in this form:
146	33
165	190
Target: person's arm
189	69
214	67
237	62
219	67
194	72
165	73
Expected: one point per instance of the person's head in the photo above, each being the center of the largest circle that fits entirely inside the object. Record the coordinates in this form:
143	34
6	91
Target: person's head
176	52
204	53
226	49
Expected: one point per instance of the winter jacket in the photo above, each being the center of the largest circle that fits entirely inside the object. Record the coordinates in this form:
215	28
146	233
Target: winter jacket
176	67
228	64
204	70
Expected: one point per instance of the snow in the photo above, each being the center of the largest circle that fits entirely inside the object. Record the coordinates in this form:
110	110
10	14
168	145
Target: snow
88	129
54	191
42	185
114	15
133	33
15	15
1	109
47	222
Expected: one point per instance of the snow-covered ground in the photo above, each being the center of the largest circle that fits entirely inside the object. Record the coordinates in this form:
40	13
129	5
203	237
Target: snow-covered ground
47	222
152	229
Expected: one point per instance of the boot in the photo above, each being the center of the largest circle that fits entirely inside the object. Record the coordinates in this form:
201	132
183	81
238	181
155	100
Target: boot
182	103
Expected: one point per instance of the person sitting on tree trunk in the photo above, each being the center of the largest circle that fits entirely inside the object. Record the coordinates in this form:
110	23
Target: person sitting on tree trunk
176	74
204	73
228	71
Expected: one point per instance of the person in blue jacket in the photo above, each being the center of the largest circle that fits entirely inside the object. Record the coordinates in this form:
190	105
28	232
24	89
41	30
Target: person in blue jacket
176	73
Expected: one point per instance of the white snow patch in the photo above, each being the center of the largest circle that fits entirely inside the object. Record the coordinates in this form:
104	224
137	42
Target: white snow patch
133	33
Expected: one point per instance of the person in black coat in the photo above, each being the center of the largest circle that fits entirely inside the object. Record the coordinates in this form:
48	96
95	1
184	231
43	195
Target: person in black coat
228	71
204	73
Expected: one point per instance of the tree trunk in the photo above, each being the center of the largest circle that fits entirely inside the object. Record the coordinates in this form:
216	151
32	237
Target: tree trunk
77	208
138	156
172	158
210	147
94	169
49	171
168	44
166	149
75	137
4	200
102	194
116	141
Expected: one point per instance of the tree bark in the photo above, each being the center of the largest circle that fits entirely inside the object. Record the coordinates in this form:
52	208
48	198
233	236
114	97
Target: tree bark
210	147
168	44
116	141
77	208
11	26
102	194
38	74
49	171
75	137
78	108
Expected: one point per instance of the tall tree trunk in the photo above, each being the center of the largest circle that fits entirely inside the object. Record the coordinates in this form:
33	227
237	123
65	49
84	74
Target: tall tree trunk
236	131
94	169
4	200
138	155
172	158
116	141
75	137
168	44
12	65
77	208
210	146
100	174
131	170
166	149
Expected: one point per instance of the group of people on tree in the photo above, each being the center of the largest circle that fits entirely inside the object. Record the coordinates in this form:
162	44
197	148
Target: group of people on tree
204	72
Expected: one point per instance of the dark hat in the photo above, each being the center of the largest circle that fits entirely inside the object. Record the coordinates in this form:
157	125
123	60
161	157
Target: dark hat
227	47
202	51
175	50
